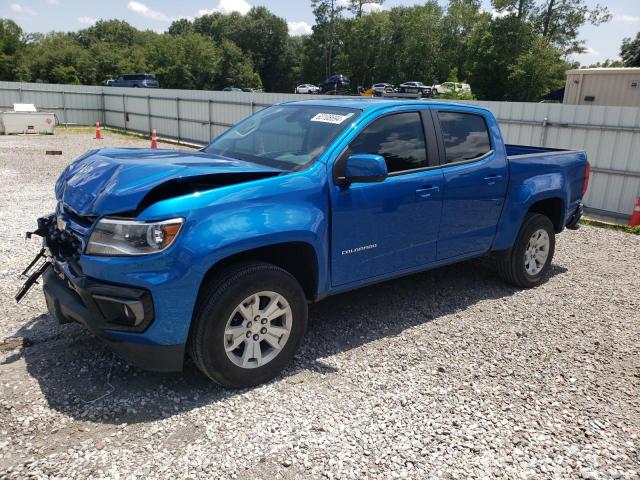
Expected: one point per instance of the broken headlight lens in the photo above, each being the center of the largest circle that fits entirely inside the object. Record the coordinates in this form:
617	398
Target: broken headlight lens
116	237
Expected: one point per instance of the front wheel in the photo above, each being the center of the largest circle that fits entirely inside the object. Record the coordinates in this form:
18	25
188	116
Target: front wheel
529	259
248	324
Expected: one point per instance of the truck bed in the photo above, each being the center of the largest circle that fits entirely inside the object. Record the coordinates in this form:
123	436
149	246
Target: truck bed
516	152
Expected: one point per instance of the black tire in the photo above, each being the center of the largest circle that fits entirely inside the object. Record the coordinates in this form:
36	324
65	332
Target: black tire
219	298
511	265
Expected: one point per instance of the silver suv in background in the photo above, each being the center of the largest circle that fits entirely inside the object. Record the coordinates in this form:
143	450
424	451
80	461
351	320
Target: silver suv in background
307	88
379	89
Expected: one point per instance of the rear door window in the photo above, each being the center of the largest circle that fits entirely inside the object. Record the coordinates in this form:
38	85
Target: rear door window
465	136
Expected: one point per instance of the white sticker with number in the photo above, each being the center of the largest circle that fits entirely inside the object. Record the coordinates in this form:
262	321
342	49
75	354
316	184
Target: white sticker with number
330	118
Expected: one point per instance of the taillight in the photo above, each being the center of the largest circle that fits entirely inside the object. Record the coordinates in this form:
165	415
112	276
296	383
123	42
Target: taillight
585	183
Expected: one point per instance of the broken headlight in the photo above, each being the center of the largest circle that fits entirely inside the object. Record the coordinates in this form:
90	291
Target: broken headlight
115	237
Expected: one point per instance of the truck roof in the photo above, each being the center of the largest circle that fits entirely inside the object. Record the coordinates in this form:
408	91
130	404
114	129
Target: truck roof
364	103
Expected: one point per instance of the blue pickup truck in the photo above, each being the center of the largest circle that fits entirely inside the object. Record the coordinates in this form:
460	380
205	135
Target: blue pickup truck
215	254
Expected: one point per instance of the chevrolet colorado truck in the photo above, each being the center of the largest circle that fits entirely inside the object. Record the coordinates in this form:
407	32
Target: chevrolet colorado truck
216	253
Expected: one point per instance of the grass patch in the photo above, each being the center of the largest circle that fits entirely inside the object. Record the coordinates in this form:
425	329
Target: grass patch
609	226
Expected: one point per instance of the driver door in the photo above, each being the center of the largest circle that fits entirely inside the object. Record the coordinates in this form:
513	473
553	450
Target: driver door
383	228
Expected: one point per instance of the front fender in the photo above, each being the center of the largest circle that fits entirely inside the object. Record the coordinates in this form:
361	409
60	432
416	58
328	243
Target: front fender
235	235
234	219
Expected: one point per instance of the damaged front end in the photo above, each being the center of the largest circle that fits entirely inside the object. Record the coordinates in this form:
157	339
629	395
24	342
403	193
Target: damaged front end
70	295
58	243
41	262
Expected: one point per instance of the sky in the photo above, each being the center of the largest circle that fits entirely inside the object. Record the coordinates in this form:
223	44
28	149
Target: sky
601	42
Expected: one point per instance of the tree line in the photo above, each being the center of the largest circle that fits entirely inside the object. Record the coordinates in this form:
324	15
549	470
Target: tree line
518	51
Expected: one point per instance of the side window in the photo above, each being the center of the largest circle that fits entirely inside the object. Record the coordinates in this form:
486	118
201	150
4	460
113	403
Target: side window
399	138
465	136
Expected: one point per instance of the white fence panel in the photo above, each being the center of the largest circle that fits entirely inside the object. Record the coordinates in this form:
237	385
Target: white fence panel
609	135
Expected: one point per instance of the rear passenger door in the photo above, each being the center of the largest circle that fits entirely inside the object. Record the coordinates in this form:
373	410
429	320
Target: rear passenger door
475	182
391	226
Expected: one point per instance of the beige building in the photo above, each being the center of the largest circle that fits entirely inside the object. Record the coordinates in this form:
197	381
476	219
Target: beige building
603	86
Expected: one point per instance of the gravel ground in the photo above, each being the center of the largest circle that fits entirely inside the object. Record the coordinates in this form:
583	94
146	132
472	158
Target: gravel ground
446	374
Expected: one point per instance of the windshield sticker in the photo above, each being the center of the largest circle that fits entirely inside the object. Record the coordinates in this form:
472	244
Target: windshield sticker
330	118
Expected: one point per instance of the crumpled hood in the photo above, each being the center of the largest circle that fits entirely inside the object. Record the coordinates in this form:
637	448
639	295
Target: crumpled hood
116	180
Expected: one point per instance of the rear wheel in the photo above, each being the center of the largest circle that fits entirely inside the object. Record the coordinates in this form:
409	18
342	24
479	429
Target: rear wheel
248	324
528	261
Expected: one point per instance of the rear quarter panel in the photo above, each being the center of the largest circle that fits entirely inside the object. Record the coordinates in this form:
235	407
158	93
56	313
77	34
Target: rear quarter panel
538	177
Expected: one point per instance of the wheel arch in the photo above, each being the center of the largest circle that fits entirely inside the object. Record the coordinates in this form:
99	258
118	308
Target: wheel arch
552	208
299	258
550	204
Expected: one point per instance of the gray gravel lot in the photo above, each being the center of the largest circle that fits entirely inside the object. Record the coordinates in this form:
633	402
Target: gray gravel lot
445	374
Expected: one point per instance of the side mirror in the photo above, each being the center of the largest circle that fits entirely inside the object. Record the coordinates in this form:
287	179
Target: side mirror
365	167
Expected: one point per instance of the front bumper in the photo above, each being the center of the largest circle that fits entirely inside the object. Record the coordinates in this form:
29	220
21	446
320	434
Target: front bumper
106	310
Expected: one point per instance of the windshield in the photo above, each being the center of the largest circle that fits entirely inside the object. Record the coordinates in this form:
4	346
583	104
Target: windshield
289	137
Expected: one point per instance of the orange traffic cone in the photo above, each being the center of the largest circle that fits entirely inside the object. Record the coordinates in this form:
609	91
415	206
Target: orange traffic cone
98	132
635	216
154	139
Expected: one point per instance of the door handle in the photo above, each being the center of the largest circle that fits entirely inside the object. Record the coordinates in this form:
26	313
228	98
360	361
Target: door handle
427	191
492	179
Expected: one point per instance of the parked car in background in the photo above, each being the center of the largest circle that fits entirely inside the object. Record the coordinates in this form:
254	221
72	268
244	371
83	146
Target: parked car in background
307	88
380	89
216	253
415	87
335	84
135	80
232	89
448	87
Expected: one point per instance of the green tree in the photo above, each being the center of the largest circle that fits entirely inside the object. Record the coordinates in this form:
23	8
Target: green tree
495	44
363	43
457	25
328	14
218	26
630	51
357	6
263	36
536	72
180	27
236	69
117	33
185	61
608	63
57	58
558	21
414	46
11	48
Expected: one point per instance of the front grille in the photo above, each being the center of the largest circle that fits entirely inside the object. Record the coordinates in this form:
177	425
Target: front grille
65	239
64	245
